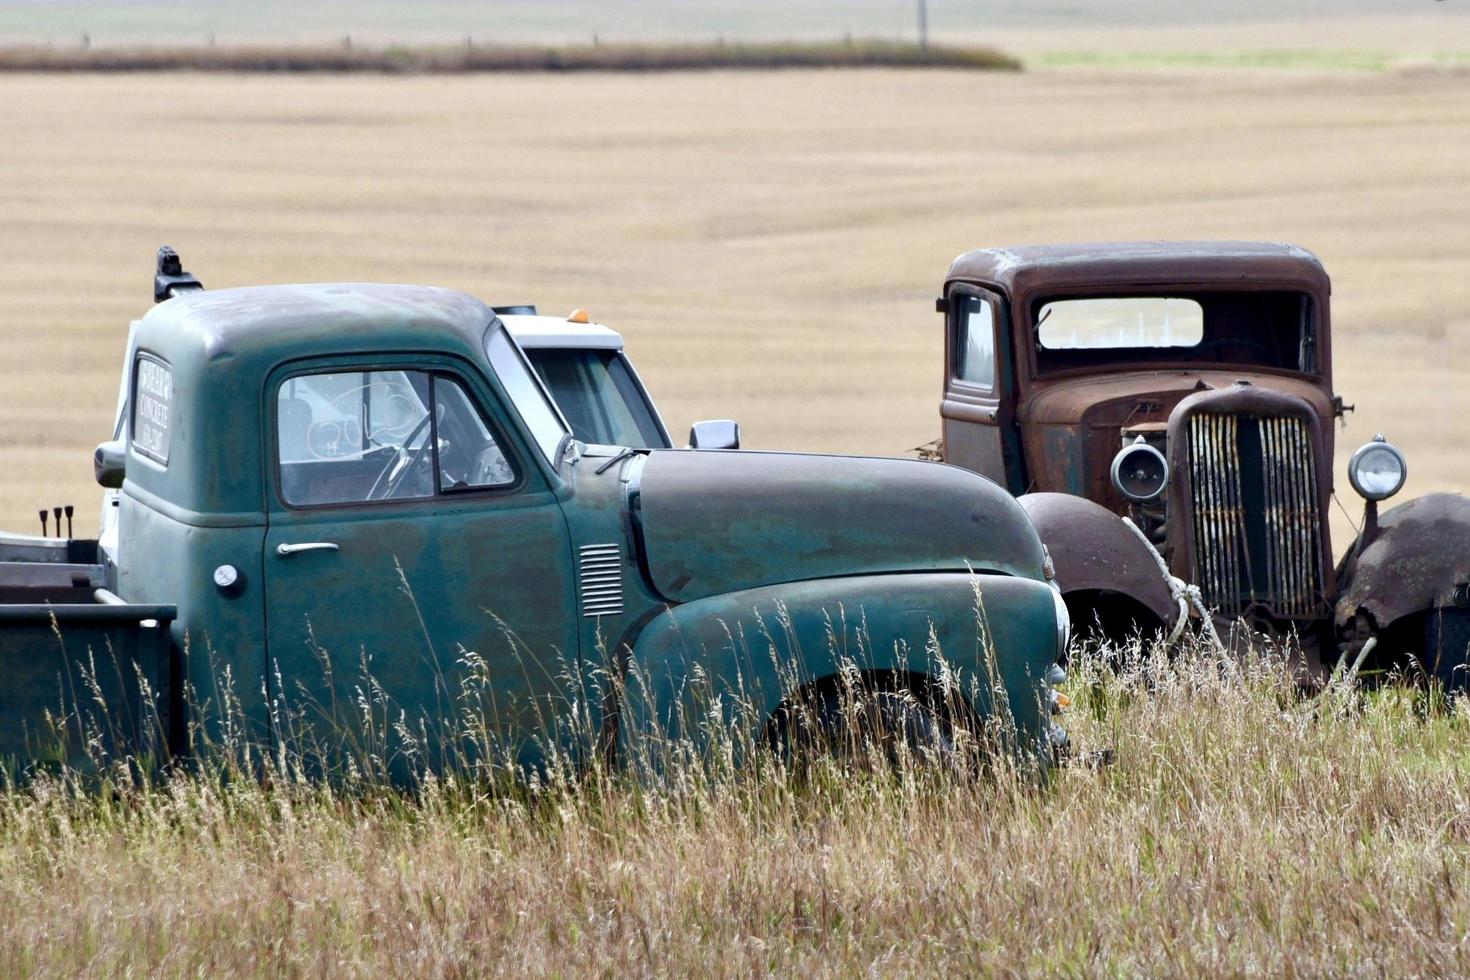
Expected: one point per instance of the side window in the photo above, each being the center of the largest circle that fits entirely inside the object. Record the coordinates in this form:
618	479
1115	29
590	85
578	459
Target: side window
469	456
975	342
355	436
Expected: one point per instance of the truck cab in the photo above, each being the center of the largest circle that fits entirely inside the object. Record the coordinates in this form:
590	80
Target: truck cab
590	377
586	370
359	500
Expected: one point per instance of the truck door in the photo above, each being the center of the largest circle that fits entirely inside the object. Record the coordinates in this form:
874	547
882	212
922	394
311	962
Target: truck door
418	568
978	409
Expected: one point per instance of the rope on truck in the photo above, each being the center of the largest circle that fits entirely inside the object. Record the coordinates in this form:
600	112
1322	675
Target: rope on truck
1185	594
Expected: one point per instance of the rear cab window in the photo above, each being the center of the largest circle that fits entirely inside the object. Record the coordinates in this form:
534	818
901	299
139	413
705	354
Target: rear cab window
1252	328
152	421
1137	321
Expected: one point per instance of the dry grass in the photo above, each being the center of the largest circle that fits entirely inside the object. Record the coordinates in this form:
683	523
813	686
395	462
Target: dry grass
770	243
1239	830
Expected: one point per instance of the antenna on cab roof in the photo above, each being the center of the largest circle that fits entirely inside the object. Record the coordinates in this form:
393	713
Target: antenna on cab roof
170	279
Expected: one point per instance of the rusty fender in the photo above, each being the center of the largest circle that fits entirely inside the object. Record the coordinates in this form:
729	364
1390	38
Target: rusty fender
1094	551
1419	559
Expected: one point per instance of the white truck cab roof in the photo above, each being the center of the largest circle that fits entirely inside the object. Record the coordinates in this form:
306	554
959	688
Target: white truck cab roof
538	332
588	374
590	377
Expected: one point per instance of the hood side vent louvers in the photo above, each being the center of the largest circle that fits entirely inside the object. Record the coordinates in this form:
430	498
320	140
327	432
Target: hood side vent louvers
600	568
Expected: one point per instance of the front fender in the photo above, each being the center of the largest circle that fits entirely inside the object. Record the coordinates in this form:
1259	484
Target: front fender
1419	559
1093	551
726	663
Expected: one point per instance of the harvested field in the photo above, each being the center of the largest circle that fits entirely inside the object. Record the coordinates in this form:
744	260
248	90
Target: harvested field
769	243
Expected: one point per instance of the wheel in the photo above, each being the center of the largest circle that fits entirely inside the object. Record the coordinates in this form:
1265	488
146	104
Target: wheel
889	724
1447	649
1112	622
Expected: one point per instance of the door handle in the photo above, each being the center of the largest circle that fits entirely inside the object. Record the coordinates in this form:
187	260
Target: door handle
287	550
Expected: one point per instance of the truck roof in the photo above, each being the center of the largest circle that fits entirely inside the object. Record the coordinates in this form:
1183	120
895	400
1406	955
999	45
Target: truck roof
540	332
234	320
1027	268
257	319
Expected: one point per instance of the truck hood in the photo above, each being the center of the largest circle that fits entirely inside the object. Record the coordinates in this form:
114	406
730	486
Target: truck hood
1136	396
713	522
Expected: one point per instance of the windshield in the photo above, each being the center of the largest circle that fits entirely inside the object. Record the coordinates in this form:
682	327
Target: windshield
1133	321
600	396
530	399
1257	328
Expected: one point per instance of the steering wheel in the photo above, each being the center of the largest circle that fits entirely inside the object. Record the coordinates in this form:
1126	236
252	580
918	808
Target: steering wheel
413	464
403	462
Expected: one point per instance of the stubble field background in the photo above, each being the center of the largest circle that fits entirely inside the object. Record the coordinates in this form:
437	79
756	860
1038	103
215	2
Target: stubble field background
769	243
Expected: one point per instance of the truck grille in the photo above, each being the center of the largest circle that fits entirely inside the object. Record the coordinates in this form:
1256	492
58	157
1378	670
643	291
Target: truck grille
601	574
1257	529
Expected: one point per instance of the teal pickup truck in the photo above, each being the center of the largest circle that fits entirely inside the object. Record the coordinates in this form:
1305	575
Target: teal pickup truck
334	502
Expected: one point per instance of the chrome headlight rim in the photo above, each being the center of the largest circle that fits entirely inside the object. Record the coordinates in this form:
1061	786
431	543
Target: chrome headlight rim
1064	622
1115	472
1378	445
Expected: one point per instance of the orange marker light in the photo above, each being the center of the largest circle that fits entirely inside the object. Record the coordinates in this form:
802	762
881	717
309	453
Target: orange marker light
1063	701
578	316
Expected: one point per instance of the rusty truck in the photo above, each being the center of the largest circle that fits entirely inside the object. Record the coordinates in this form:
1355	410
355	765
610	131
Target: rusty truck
1165	412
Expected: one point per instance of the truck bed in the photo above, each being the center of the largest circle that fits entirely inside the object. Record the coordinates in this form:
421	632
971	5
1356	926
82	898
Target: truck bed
85	677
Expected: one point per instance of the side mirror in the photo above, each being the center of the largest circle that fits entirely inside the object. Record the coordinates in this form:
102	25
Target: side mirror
715	434
109	463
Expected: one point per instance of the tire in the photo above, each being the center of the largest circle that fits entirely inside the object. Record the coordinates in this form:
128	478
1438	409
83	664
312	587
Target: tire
1447	649
890	725
1111	622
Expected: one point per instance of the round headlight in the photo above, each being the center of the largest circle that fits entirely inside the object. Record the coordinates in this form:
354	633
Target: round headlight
1377	470
1064	622
1140	471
